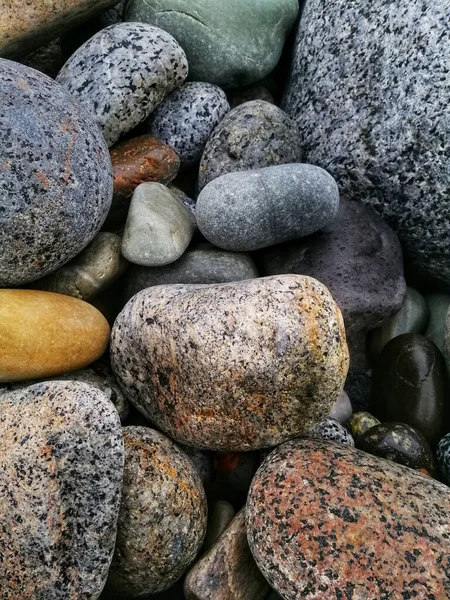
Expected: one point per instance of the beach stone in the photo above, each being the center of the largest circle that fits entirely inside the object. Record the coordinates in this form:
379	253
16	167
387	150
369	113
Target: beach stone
232	367
159	227
201	264
359	258
360	422
183	197
44	334
221	515
411	318
359	117
331	430
122	73
91	272
253	135
231	47
263	207
443	457
342	409
374	529
55	176
62	464
203	462
162	519
228	571
186	118
438	305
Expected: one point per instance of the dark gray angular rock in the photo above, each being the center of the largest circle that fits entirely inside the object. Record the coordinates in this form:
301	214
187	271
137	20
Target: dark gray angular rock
186	118
369	89
253	135
255	209
122	73
55	176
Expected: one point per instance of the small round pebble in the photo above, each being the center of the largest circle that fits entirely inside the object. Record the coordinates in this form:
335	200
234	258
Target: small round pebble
342	409
332	430
360	422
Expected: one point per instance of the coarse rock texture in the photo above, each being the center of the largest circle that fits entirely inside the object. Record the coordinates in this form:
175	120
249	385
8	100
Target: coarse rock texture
259	208
369	89
186	118
331	430
253	135
44	334
228	571
122	73
24	26
55	176
163	515
326	521
235	366
231	45
61	458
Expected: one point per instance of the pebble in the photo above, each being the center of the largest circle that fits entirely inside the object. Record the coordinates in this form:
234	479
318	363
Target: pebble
203	462
45	334
61	460
56	192
360	422
138	160
228	571
372	529
91	272
163	516
217	370
443	457
342	409
411	386
438	305
122	73
159	227
259	208
253	135
231	47
331	430
371	106
186	118
220	517
184	198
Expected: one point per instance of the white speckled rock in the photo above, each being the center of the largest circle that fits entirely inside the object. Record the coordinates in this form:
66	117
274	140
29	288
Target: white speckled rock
332	431
122	73
61	459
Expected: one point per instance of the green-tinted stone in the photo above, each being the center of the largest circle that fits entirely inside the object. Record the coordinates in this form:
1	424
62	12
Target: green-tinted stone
361	422
438	305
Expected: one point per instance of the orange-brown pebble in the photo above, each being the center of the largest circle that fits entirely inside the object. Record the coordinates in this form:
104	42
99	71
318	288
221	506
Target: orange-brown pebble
44	334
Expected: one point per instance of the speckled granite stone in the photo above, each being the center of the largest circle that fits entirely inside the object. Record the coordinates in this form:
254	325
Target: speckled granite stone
228	571
326	521
162	520
253	135
55	176
331	430
235	366
186	118
203	462
369	89
259	208
61	459
122	73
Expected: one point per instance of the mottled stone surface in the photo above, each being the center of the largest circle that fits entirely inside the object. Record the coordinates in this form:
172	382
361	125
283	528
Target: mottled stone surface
55	176
360	422
342	409
203	462
62	464
438	305
369	89
44	334
228	45
140	160
162	520
186	118
359	258
235	366
325	521
24	26
159	227
259	208
219	518
253	135
331	430
228	571
122	73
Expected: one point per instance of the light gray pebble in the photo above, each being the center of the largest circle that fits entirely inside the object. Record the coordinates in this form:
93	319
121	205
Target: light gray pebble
342	409
330	429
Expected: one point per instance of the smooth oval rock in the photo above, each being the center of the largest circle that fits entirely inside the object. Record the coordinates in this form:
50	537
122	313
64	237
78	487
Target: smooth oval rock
235	366
411	386
163	515
122	73
186	118
263	207
372	529
55	176
61	458
254	135
360	422
331	430
229	46
44	334
342	409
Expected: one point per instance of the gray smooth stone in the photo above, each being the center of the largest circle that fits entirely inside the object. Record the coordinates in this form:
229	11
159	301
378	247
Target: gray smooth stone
342	409
255	209
438	305
159	227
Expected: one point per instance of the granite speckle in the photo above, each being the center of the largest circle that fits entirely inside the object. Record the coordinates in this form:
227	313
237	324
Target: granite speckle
331	430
